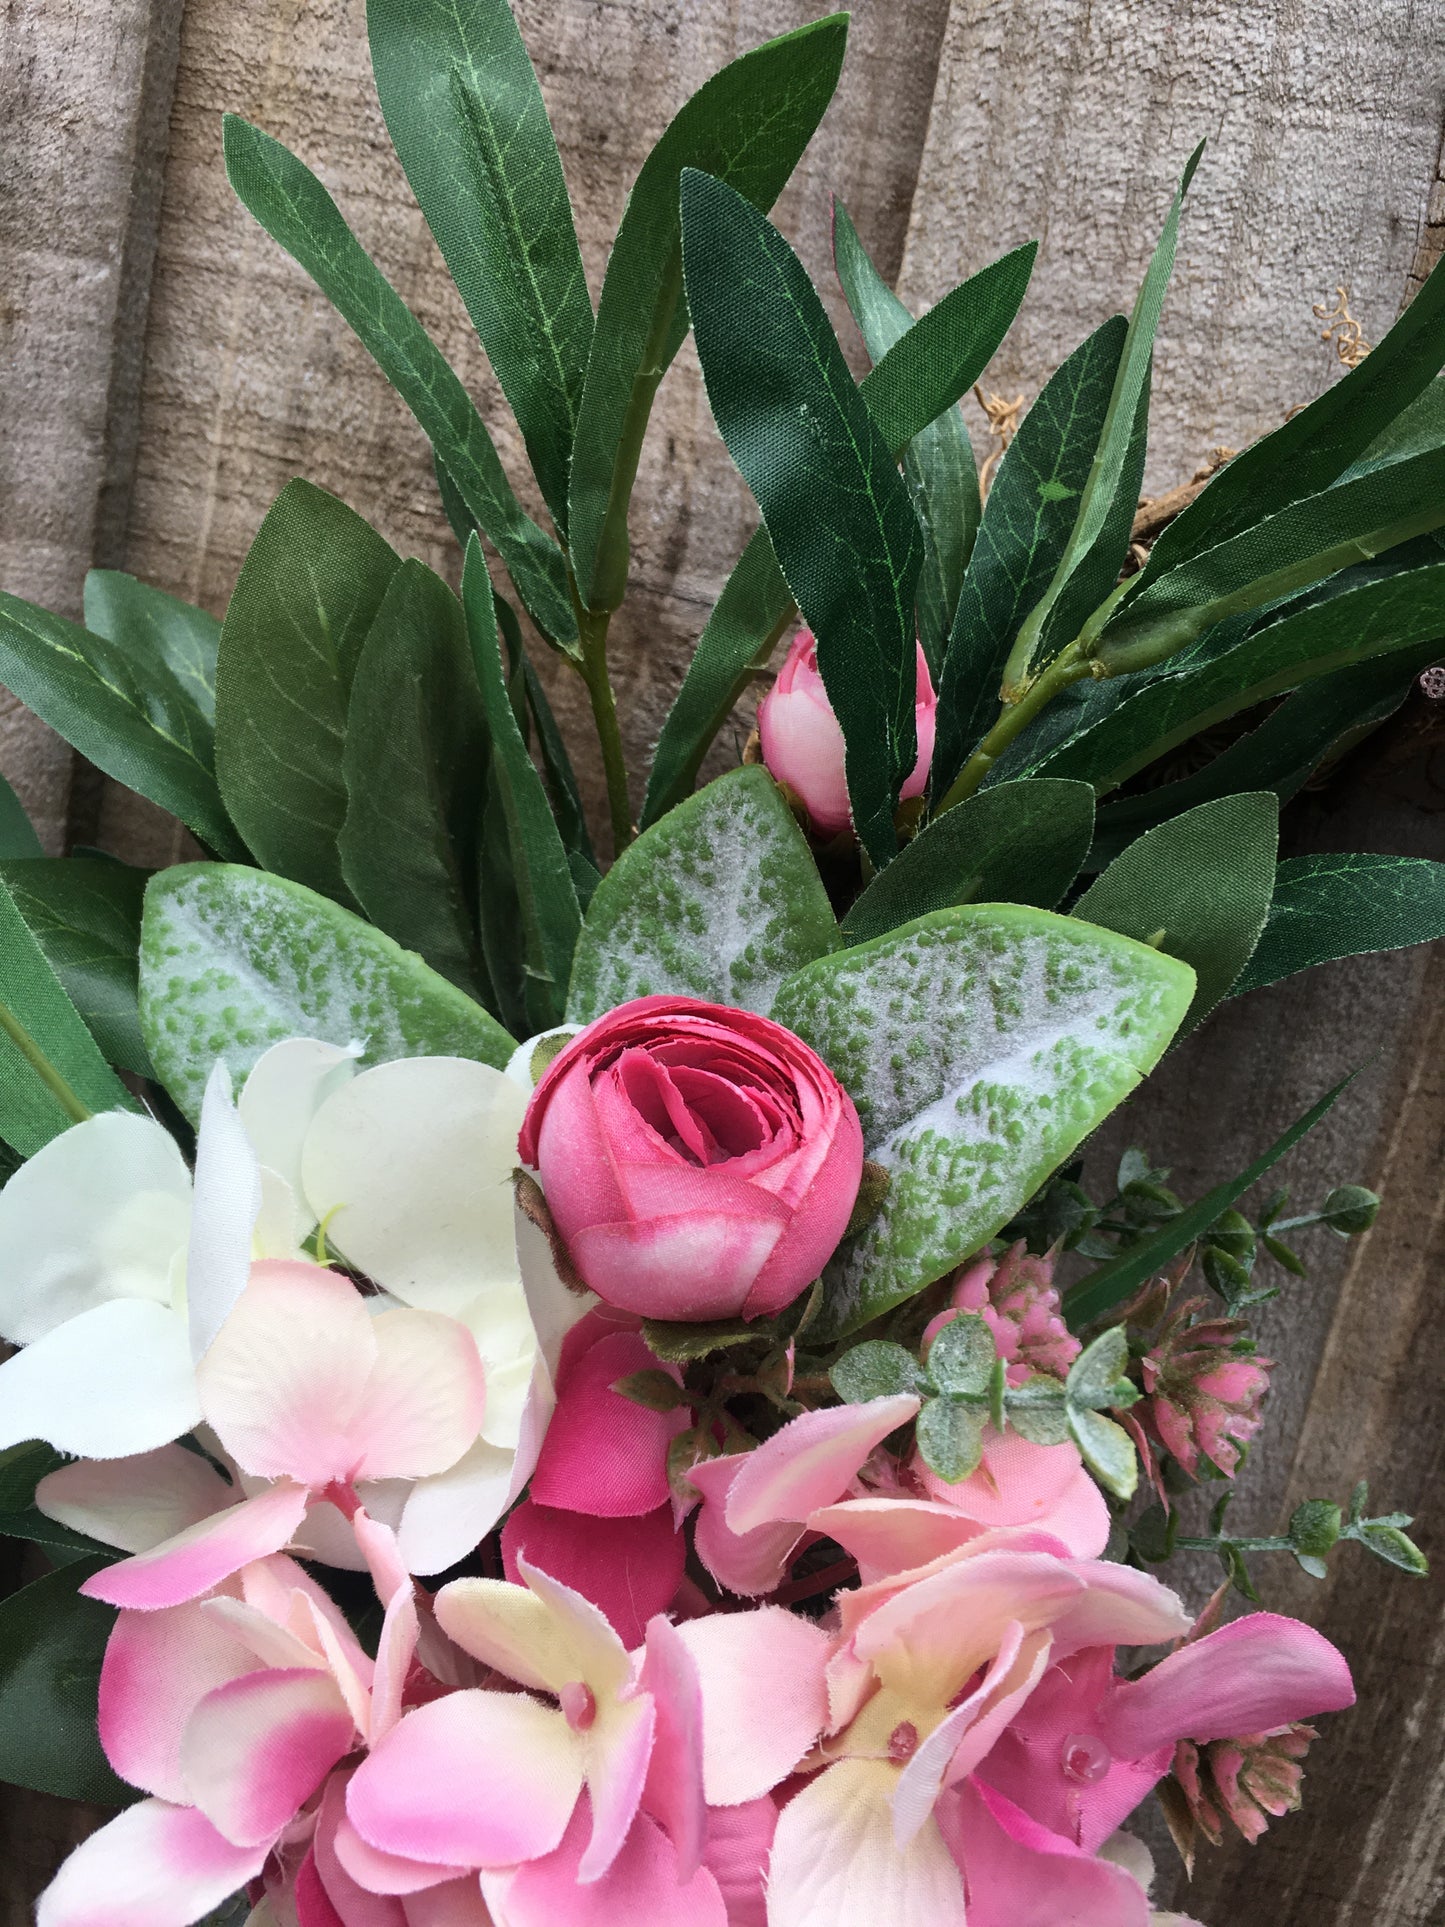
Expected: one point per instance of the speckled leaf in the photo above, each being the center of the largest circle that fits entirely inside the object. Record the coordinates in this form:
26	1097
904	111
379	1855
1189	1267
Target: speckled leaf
233	960
981	1045
719	900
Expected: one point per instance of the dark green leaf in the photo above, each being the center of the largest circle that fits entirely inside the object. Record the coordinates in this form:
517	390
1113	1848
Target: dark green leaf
133	718
295	209
85	915
306	596
17	832
681	1344
1017	843
467	118
51	1645
556	764
1342	905
748	125
1198	887
155	628
656	1390
22	1467
233	961
950	1436
1112	1283
545	892
962	1357
59	1544
1350	1209
835	506
415	764
1030	511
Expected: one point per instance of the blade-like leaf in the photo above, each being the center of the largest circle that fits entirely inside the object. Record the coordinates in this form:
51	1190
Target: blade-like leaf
233	961
1198	887
1112	1283
307	593
51	1069
981	1045
720	900
151	626
1393	615
1342	906
1017	843
415	764
1030	511
131	718
1100	536
545	892
85	912
295	210
835	507
748	125
17	832
52	1642
919	377
468	121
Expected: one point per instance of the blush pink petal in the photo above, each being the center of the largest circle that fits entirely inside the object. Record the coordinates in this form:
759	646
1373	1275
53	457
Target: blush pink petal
201	1557
888	1536
811	1461
736	1852
604	1453
478	1779
384	1873
747	1563
835	1862
641	1888
820	1218
312	1902
1253	1675
1023	1484
152	1866
764	1697
673	1791
458	1903
354	1904
158	1667
257	1748
618	1751
1018	1875
424	1400
698	1265
628	1568
1118	1607
135	1503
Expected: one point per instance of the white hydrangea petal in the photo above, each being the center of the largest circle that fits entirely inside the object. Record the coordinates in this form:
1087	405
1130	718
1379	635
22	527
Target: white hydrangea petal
286	1087
224	1213
98	1214
115	1381
446	1515
283	1223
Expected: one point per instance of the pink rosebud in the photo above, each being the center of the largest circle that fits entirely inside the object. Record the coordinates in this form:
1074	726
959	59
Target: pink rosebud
1249	1781
699	1162
1020	1305
1205	1390
803	745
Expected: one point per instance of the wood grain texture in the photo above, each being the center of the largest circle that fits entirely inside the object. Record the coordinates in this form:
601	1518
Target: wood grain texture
1071	122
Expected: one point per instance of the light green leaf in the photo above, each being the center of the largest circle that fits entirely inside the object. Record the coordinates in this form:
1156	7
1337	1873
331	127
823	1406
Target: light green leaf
950	1436
469	124
1098	1368
876	1369
233	961
1038	1410
1197	887
981	1045
962	1357
295	209
415	765
748	125
835	507
1107	1449
308	591
52	1642
153	627
720	900
133	719
545	892
85	913
1016	843
17	832
1344	905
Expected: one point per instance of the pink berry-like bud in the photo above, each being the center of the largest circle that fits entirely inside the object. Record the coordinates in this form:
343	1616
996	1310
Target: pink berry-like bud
1205	1390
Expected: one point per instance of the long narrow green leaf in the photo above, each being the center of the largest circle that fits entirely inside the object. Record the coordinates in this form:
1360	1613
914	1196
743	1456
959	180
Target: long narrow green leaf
1030	511
132	719
938	463
151	626
51	1071
468	121
1345	905
1198	887
415	762
295	209
85	913
562	785
1121	1277
307	594
836	509
550	915
748	125
17	832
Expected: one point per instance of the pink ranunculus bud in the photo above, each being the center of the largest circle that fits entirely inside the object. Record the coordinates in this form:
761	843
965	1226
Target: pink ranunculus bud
698	1161
1249	1780
1020	1304
803	745
1204	1389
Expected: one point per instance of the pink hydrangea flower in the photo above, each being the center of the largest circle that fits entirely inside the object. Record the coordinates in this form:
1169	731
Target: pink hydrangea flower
1205	1390
1021	1306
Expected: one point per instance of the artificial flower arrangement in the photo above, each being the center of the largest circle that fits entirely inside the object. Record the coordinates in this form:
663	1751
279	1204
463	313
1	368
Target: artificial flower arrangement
550	1394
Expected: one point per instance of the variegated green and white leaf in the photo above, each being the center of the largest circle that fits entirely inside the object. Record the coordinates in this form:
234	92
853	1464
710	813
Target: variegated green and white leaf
233	960
981	1045
720	900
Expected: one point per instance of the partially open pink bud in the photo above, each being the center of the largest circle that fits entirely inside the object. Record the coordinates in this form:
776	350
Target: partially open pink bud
803	745
1021	1307
1249	1781
1205	1390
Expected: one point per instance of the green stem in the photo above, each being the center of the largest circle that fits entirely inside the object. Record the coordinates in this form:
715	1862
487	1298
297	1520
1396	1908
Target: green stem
41	1065
1067	667
592	628
1233	1545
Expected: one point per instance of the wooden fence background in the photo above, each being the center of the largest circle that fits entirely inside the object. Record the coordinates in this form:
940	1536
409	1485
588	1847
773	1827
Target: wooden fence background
165	370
